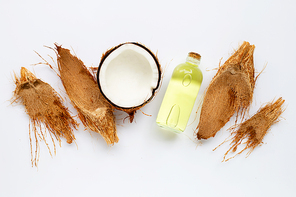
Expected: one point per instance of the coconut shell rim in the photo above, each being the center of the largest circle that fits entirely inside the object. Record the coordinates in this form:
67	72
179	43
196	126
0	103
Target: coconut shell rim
108	52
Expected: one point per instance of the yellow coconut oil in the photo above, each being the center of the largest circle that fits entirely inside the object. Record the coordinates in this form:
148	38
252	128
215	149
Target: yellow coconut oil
180	95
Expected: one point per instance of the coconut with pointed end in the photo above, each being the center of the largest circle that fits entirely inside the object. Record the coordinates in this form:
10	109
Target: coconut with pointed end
251	132
46	111
93	110
230	92
128	76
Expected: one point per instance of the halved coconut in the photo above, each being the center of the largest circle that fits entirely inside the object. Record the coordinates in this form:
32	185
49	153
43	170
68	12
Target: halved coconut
128	76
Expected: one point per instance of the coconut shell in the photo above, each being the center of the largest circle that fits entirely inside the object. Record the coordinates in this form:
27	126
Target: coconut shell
252	131
94	111
132	110
230	92
44	107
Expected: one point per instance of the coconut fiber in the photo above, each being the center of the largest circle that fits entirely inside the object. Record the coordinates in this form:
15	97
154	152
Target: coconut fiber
230	92
254	129
93	110
44	106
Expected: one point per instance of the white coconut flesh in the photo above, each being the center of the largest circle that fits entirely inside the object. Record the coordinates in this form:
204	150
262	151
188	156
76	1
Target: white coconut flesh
128	76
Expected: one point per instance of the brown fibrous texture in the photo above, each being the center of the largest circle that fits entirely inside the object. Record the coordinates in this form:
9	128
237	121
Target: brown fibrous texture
44	107
254	129
230	92
93	110
132	110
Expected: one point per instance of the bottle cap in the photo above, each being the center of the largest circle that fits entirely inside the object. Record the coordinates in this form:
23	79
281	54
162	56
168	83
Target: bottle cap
193	58
194	55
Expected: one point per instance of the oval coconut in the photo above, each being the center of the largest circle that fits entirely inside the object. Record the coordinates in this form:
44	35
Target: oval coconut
230	92
93	110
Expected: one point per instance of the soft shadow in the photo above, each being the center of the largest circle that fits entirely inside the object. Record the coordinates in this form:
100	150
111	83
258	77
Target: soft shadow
163	134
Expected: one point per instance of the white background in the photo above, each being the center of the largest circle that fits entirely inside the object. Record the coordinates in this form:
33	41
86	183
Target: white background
148	161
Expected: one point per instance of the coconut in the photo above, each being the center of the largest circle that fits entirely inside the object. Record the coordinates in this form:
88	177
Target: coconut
94	111
46	111
128	76
251	132
230	91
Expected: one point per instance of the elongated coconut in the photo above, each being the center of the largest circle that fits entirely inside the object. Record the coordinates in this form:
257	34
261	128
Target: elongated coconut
128	76
230	92
93	110
254	129
44	107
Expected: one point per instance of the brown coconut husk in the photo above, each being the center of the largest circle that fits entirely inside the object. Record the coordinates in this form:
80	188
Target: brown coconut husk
132	110
254	129
94	111
230	92
44	107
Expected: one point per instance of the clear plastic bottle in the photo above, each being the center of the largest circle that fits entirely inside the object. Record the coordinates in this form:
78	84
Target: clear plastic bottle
180	95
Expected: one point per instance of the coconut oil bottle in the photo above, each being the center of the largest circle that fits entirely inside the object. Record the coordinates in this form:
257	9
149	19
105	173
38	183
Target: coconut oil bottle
180	95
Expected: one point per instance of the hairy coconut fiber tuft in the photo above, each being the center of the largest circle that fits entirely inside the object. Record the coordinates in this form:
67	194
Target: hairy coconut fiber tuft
44	106
94	111
254	129
230	92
